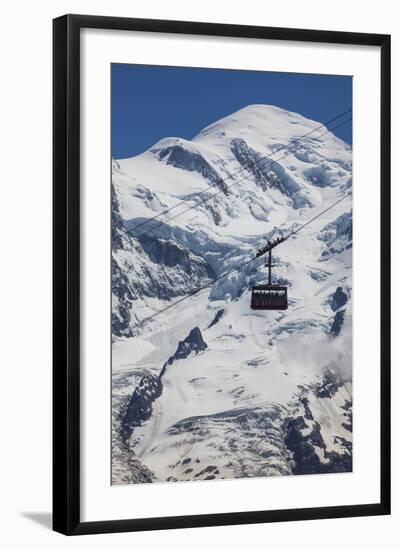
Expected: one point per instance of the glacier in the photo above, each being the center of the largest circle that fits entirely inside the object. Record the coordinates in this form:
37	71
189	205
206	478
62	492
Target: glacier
203	387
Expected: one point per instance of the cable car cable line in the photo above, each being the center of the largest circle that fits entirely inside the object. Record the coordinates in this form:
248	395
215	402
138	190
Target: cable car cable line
243	168
237	267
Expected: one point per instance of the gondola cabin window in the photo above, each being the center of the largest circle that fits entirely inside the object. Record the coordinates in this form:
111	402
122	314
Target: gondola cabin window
269	297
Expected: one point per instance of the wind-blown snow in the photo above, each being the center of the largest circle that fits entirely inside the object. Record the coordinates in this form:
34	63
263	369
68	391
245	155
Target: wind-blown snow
270	392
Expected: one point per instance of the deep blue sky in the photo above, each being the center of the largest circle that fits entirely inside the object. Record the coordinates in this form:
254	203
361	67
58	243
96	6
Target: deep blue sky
149	102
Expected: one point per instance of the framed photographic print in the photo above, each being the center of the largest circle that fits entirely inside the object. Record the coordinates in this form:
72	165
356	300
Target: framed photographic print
221	274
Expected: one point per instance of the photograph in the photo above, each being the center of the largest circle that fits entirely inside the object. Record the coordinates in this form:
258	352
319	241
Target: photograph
231	274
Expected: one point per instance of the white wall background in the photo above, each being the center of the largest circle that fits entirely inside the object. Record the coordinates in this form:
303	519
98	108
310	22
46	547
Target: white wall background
25	122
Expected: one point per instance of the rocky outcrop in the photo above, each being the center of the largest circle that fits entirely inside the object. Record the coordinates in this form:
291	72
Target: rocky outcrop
316	450
338	299
171	255
267	173
122	294
337	302
122	301
338	235
140	406
179	157
217	317
126	468
192	343
302	443
337	322
330	384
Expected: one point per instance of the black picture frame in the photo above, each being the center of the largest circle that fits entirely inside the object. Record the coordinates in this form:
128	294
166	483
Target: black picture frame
66	272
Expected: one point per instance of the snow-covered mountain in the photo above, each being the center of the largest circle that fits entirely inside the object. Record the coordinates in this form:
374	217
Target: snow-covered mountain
203	386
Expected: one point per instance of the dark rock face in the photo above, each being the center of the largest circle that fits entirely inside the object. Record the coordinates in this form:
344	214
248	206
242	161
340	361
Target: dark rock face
140	406
116	222
337	302
217	317
178	156
338	299
303	433
306	459
348	408
267	173
169	270
193	342
331	382
120	320
337	322
126	468
338	235
120	287
170	255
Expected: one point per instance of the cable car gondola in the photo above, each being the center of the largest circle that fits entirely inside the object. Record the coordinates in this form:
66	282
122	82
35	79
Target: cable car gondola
269	297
